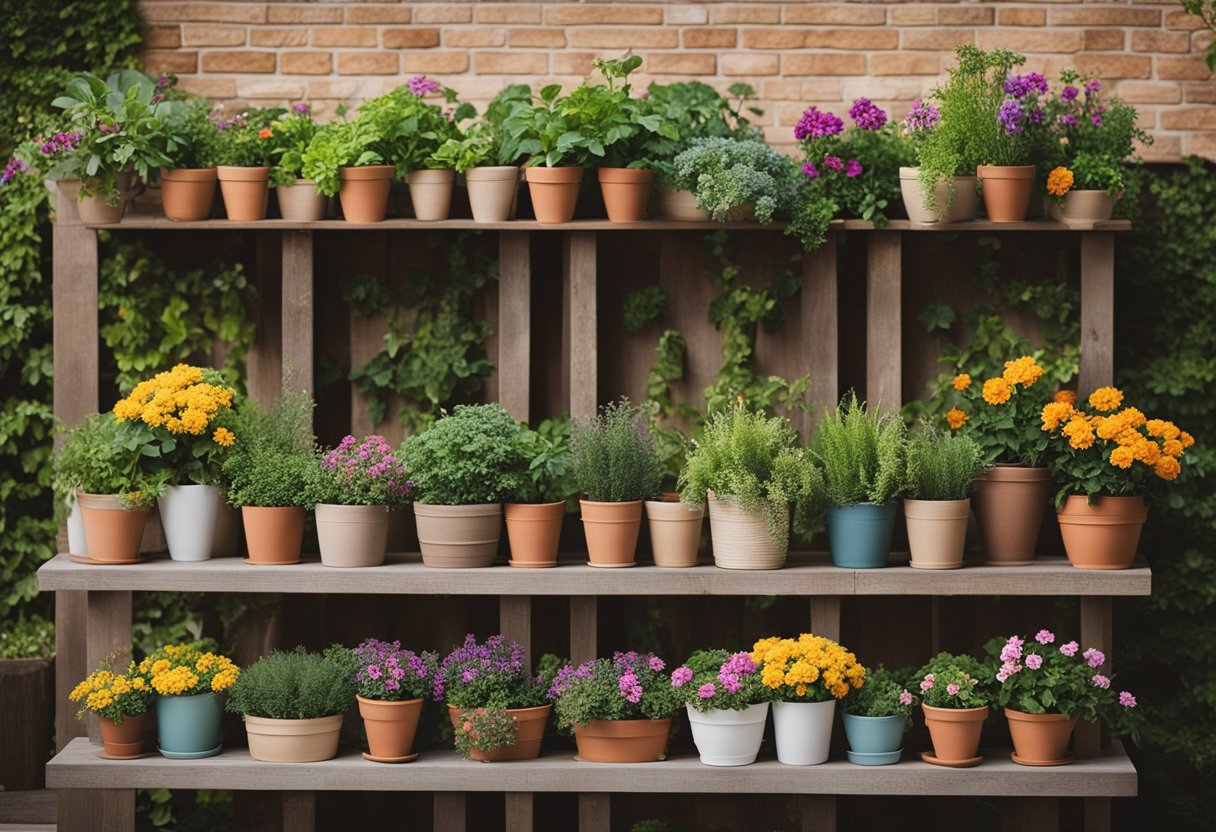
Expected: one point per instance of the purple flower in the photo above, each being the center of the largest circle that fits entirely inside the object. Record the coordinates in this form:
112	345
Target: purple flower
656	664
1034	661
707	691
905	698
1045	637
867	115
921	117
833	162
1069	93
1101	681
392	684
420	85
1010	116
373	671
680	677
809	170
1068	120
1092	86
816	123
853	169
300	107
1021	85
630	687
1037	115
1094	657
1126	699
14	167
1096	120
163	81
1070	649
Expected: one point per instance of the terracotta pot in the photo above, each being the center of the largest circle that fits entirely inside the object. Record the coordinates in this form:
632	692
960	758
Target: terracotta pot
273	535
1009	502
937	532
1040	739
626	192
187	193
612	532
623	740
533	532
245	191
678	205
1105	535
364	192
675	531
955	732
300	202
1007	191
94	210
390	726
1082	207
112	532
530	725
964	206
492	192
352	536
554	192
453	537
293	740
125	739
741	539
431	193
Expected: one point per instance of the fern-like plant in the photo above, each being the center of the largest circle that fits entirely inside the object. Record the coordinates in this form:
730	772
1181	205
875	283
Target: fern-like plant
941	466
861	452
296	685
615	460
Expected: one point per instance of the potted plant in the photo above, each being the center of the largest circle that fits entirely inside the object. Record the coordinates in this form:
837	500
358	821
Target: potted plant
187	181
875	718
940	202
751	471
737	179
291	133
1106	462
807	676
535	512
862	453
1046	688
1002	415
393	683
245	152
359	482
190	681
547	134
498	710
616	467
727	705
180	422
463	466
349	160
27	675
941	469
955	694
423	127
120	700
491	187
620	709
293	704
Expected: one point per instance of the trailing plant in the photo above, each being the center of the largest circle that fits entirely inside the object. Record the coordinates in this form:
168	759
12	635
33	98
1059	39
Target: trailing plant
809	668
295	685
1003	413
194	138
27	638
550	477
643	306
627	686
862	452
718	680
615	460
731	177
489	675
290	135
387	673
468	457
882	695
485	729
114	695
941	466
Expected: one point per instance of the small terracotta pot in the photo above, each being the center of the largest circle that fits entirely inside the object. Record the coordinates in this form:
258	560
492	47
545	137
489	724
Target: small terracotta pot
1082	207
352	536
125	739
293	740
675	531
955	732
390	726
530	724
111	532
533	532
1007	191
1009	503
554	192
455	537
1105	535
937	532
492	192
741	539
273	535
300	202
623	740
364	192
1040	739
431	193
245	191
964	206
612	532
626	192
678	205
187	193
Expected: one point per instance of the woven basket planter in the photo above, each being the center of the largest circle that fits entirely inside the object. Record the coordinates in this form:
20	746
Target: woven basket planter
741	539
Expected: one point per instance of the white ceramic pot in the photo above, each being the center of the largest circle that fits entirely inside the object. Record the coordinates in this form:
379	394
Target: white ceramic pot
728	738
77	545
741	539
431	193
189	513
492	192
803	731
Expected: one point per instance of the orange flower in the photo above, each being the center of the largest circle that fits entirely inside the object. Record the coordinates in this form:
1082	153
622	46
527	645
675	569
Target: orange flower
1167	468
997	391
1080	434
962	381
1186	439
265	133
1106	399
1067	396
1024	371
1060	181
955	418
1054	413
1172	447
1122	457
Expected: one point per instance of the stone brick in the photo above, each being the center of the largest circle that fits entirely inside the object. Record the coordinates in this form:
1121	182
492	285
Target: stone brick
749	64
1022	17
682	63
1103	40
478	36
1201	144
601	38
1150	92
685	15
885	88
1201	93
774	38
903	64
838	15
412	38
542	38
916	15
1163	149
851	64
203	12
367	63
443	14
344	36
307	63
287	90
345	88
1115	66
744	14
1154	40
238	61
1105	16
580	15
378	14
936	40
511	63
283	13
867	39
507	13
208	87
1190	118
574	63
157	61
441	63
822	89
783	90
965	16
278	37
204	35
162	37
1183	20
710	38
1030	40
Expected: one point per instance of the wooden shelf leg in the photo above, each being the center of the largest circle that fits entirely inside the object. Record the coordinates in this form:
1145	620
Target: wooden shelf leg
884	309
297	309
519	811
1030	814
594	812
818	813
74	325
1097	630
88	810
1097	814
584	623
820	329
71	662
514	323
825	616
300	811
107	632
449	812
1097	311
515	621
580	296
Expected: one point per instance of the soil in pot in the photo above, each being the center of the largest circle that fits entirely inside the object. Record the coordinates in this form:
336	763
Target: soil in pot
1006	190
530	725
675	531
554	192
352	536
492	192
612	532
293	740
741	539
1105	535
390	726
300	202
274	536
245	192
533	532
955	732
937	532
431	193
112	532
623	741
1009	504
1040	739
459	536
364	192
626	192
187	194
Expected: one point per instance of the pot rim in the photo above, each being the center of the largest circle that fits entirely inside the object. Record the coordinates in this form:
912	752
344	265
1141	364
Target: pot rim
1022	716
362	173
957	714
361	698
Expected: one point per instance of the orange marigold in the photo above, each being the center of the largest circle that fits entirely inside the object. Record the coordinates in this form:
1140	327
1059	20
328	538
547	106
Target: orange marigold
1024	371
1186	439
997	391
1060	181
962	381
1106	399
1122	457
265	133
955	418
1067	396
1172	447
1147	451
1168	468
1080	434
1056	412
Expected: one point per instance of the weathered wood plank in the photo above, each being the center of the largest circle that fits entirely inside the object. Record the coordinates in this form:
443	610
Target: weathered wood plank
87	810
37	806
584	626
71	662
818	813
1097	630
1034	815
515	621
300	811
518	811
884	316
825	616
27	698
580	291
297	309
820	329
107	633
514	328
594	812
449	812
265	360
1098	814
368	255
74	324
1097	312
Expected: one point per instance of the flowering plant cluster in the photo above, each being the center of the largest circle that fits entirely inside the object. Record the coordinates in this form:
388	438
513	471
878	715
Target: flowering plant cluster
627	686
1110	449
246	139
290	134
881	695
1022	118
954	688
718	680
809	668
489	675
188	670
363	474
388	673
113	695
1002	413
485	729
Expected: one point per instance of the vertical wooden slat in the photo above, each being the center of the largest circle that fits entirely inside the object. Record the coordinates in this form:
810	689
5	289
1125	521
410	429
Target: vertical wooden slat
1097	311
449	812
264	364
74	309
584	623
515	621
71	662
594	812
1030	814
825	616
1098	814
580	281
367	256
884	336
86	810
518	811
297	309
820	333
107	632
818	812
514	323
300	811
1097	630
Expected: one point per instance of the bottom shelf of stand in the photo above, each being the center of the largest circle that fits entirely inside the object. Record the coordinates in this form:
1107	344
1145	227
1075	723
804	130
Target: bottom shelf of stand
78	767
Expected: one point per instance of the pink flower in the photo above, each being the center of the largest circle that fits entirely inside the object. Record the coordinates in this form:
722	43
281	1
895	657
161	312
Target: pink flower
833	162
656	664
707	690
906	698
680	677
1126	699
1034	661
1002	675
927	682
1070	649
809	170
952	690
1012	651
853	169
373	670
1100	681
1094	657
1045	637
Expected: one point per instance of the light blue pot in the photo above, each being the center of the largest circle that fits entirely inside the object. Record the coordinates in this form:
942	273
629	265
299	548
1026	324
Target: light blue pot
189	726
874	740
860	535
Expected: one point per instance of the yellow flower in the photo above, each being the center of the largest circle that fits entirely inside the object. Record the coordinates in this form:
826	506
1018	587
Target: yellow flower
1066	396
1079	433
1147	451
962	381
1122	457
955	418
997	391
1186	439
1024	371
223	437
1059	181
1167	468
1106	399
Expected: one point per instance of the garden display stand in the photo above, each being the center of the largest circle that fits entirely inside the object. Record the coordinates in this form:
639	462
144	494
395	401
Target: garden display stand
93	605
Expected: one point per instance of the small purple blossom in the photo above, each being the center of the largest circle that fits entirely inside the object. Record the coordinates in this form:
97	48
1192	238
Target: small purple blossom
923	116
809	170
1092	86
163	81
656	664
1045	637
1126	699
1020	86
1096	120
680	677
14	167
853	169
1037	115
1011	116
1101	681
833	162
300	107
1034	661
420	85
707	691
1068	120
1070	649
60	143
816	123
1069	93
630	687
867	115
1094	657
374	671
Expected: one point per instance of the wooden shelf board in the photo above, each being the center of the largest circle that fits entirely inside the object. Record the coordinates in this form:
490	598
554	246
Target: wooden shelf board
404	574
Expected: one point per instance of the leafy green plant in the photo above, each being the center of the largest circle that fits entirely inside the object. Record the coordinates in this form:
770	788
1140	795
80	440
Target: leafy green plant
472	150
543	133
290	136
729	176
953	688
194	138
627	686
642	307
882	695
615	460
27	638
698	111
246	139
295	685
946	666
468	457
95	460
339	144
551	463
718	680
413	121
862	452
1205	10
273	461
941	466
485	729
491	674
621	131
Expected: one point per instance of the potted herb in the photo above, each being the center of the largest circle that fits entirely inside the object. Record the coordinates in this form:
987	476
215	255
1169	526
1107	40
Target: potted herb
349	160
293	704
616	467
940	476
620	709
463	466
1107	461
862	454
1046	688
291	134
244	163
486	158
534	514
187	181
547	134
727	705
190	681
954	699
359	482
498	710
806	676
750	470
951	198
27	675
393	683
875	718
737	179
120	699
423	127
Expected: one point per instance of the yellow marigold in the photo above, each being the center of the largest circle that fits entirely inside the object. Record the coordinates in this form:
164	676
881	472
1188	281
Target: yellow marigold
962	381
997	391
139	683
1186	439
1106	399
1147	451
1066	396
1155	427
1122	457
1079	433
223	437
1129	436
1133	417
1170	431
1024	371
1059	181
955	418
225	679
1168	468
1054	413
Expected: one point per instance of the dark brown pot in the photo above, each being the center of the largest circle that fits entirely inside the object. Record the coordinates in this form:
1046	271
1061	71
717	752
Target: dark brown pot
187	193
530	724
274	536
1105	535
1009	503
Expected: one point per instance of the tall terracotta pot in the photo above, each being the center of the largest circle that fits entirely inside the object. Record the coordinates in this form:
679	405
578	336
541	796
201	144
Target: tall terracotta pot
623	740
533	532
955	733
1082	208
431	193
453	537
741	539
352	536
492	192
125	739
187	193
612	532
113	532
530	724
1105	535
626	192
1009	502
300	201
554	192
675	531
937	532
1007	190
293	740
273	535
364	192
245	191
1040	739
391	727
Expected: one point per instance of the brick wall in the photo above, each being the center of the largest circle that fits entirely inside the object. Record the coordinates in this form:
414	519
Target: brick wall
794	53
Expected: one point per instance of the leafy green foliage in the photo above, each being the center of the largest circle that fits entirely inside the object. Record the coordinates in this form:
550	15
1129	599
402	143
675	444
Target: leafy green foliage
339	144
471	150
196	140
941	466
1205	10
295	685
615	460
698	111
543	133
953	688
551	462
946	666
862	453
469	457
624	687
27	638
291	134
96	459
273	462
643	307
879	696
730	176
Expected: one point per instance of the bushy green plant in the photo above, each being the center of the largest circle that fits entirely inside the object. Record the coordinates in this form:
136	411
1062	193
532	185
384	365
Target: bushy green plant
472	150
491	674
862	453
620	130
339	144
543	133
941	466
413	121
246	139
193	138
551	463
27	638
295	685
953	688
718	680
273	462
290	136
94	459
728	174
627	686
615	460
698	111
946	666
468	457
883	694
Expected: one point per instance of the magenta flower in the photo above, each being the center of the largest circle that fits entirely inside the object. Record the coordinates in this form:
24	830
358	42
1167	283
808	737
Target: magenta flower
853	169
1094	657
14	167
373	670
1012	651
1034	661
1100	681
921	117
867	115
656	664
809	170
1126	699
300	107
1092	86
707	691
833	162
1070	649
1069	93
1045	637
1068	120
816	123
1096	120
420	85
905	698
952	690
1011	116
680	677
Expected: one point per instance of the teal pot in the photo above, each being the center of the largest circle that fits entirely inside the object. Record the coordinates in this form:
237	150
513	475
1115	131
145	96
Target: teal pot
860	535
874	740
189	726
